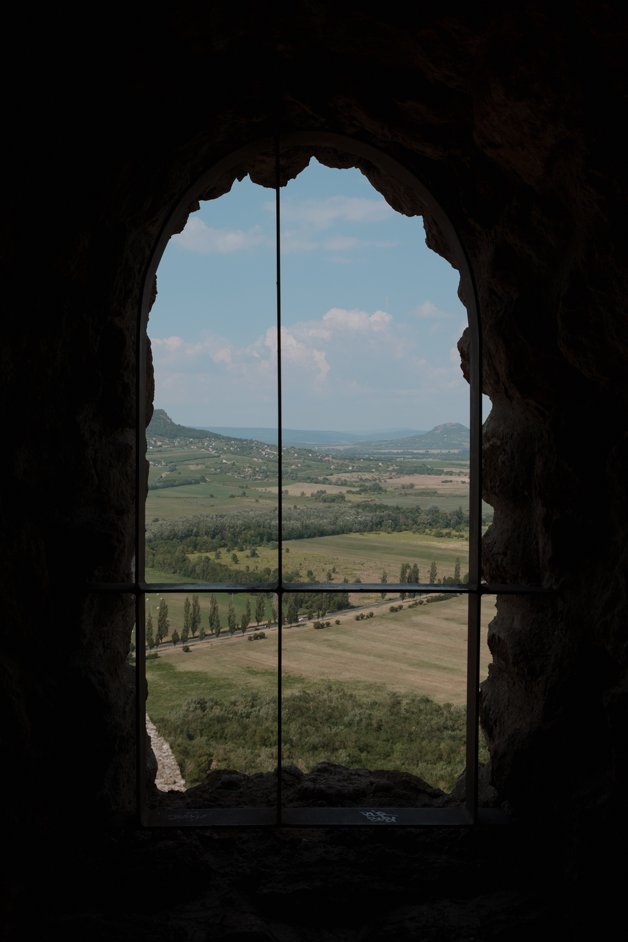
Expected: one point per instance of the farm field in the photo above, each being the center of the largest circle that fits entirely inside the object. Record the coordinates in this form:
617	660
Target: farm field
365	556
167	504
354	557
415	650
341	687
369	680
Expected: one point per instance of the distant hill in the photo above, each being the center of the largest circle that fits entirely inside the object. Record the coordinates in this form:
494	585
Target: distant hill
314	438
448	438
162	426
451	437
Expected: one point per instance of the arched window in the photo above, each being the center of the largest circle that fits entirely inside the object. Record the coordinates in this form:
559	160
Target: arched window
273	162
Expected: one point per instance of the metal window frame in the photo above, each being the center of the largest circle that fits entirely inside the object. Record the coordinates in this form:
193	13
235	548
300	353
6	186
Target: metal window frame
468	814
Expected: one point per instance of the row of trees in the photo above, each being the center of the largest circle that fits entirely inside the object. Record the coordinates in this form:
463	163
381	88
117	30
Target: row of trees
410	574
193	625
203	534
312	603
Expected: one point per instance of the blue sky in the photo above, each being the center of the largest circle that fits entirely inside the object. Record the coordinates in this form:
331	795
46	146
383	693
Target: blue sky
370	315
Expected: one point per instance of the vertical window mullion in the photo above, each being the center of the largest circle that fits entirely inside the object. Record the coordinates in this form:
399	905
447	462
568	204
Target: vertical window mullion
140	701
139	574
475	569
473	671
279	481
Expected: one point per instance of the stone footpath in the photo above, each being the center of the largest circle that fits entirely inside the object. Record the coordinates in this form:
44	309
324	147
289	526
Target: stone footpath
169	776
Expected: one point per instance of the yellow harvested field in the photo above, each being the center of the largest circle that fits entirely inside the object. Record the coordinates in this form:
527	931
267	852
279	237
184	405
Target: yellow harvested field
421	650
453	484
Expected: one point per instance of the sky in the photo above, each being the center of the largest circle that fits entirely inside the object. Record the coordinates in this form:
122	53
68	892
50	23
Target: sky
370	315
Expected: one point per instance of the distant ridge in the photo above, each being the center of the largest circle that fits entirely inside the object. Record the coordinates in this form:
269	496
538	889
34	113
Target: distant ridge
447	438
301	438
162	426
448	435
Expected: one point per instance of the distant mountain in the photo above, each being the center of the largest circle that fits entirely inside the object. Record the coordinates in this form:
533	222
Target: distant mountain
162	426
449	438
450	435
314	438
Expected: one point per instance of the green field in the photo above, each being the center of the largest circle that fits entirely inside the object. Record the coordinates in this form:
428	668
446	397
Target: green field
188	480
365	556
353	556
223	496
342	686
361	556
374	688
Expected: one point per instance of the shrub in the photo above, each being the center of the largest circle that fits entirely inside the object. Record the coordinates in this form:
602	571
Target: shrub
405	732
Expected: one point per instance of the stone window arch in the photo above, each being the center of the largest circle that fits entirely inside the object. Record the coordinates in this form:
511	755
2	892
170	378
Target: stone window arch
272	163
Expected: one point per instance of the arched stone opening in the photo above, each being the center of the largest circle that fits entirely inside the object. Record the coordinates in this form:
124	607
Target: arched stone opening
274	161
510	116
528	368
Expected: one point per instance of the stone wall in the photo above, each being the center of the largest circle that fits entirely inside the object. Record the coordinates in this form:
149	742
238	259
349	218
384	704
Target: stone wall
509	116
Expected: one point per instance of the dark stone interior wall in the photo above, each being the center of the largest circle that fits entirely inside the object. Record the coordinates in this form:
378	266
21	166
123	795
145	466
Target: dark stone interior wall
510	115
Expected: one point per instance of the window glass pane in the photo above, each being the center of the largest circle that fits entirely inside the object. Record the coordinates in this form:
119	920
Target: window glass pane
211	666
375	407
211	511
374	703
375	489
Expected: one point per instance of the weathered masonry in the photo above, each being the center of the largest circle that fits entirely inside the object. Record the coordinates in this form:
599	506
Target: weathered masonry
510	118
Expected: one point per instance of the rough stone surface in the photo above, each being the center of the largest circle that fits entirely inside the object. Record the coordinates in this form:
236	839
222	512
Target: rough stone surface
510	115
167	774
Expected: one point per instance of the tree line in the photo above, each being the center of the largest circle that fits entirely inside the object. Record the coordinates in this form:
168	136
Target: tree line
205	533
262	610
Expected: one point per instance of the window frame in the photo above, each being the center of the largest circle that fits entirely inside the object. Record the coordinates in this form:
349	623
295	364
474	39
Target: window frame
231	167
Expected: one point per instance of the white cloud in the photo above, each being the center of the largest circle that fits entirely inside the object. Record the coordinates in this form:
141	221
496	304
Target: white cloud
175	351
203	239
294	241
341	243
169	344
429	311
356	320
222	355
330	363
323	213
294	352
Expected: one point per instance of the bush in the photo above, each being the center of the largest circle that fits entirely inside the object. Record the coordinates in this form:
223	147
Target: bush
405	732
186	648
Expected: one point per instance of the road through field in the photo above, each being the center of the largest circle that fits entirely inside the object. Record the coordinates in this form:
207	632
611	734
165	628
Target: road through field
420	649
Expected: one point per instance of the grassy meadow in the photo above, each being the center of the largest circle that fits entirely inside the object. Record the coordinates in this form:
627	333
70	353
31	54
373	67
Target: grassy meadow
380	686
386	691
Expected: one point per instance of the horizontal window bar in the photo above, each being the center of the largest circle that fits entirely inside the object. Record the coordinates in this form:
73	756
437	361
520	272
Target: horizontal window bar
317	817
293	587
